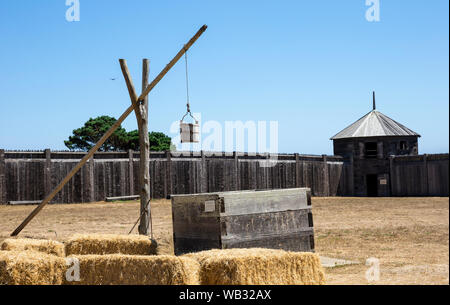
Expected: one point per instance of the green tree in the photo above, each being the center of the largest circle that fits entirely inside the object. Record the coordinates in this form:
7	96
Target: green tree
86	137
158	141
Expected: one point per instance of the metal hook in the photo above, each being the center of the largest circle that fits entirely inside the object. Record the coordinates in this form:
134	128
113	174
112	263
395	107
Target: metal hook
190	114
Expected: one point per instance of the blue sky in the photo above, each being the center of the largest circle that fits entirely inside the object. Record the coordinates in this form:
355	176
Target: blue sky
310	65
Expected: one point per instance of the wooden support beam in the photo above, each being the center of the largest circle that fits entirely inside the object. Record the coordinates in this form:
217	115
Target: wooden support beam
172	63
144	144
108	133
131	90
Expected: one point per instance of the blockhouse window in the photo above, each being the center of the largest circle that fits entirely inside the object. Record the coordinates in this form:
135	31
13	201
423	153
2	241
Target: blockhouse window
370	149
403	145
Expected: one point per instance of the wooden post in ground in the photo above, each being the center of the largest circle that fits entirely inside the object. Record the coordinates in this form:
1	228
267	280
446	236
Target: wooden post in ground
144	145
141	110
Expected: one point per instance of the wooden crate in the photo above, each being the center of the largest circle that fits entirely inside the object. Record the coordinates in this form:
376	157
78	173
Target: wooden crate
275	219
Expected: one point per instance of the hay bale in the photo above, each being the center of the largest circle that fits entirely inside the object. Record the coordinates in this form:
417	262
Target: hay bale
31	268
100	244
258	267
46	246
116	269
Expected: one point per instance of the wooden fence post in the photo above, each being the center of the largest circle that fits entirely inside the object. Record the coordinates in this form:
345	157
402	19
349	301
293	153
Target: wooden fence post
391	174
91	180
204	174
131	171
305	175
237	172
425	168
168	181
326	173
2	177
47	172
297	170
352	176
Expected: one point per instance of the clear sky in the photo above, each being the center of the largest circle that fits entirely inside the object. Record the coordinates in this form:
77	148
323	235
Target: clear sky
310	65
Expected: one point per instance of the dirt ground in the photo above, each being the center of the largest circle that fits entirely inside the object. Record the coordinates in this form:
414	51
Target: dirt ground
409	236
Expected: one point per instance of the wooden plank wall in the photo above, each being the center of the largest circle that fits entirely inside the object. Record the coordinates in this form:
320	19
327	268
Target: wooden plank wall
31	175
424	175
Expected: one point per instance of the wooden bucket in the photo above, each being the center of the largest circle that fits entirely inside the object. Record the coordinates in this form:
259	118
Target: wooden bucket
190	133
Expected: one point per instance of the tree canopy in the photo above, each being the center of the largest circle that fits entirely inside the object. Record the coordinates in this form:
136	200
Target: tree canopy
158	141
86	137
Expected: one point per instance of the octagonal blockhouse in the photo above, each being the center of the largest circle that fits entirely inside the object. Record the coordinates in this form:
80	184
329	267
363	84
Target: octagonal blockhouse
367	145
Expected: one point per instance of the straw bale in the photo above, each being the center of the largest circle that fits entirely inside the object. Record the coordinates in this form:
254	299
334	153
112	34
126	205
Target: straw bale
99	244
117	269
258	267
31	268
46	246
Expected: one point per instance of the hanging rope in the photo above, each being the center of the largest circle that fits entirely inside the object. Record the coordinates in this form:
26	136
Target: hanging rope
187	84
188	106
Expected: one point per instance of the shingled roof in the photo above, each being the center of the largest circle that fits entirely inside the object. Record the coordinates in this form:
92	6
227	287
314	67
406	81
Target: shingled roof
374	124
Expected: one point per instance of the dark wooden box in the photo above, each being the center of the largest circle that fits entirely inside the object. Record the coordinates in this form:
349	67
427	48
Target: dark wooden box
274	219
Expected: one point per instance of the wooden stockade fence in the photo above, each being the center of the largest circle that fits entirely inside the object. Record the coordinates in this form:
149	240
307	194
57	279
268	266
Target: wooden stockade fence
424	175
29	176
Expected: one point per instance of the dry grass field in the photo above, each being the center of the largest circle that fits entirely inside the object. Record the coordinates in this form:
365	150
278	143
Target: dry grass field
410	236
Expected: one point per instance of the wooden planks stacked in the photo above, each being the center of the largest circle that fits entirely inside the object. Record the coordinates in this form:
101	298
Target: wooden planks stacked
274	219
